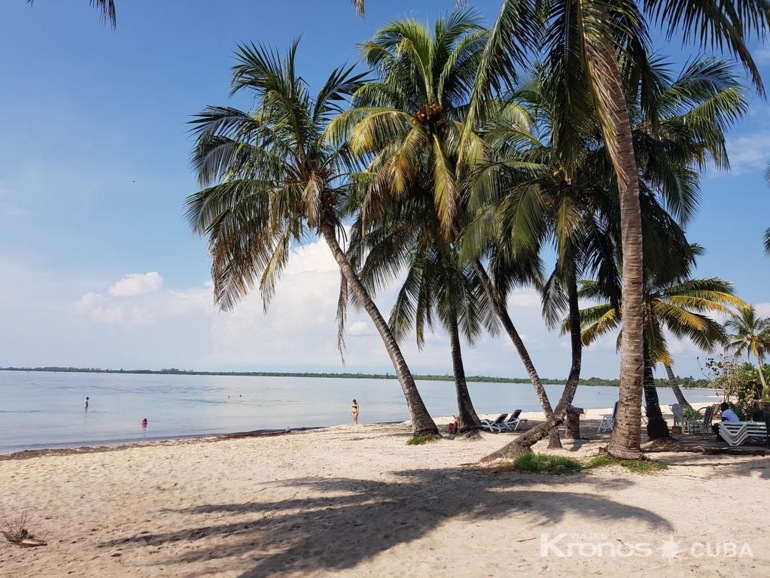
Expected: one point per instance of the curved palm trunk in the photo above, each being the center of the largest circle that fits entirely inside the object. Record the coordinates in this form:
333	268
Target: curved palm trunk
675	387
524	442
422	423
657	427
469	420
502	313
625	441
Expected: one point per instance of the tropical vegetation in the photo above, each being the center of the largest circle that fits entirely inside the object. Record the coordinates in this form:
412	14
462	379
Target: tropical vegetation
454	165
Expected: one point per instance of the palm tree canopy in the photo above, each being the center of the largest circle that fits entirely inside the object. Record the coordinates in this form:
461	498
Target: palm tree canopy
750	333
679	307
406	122
270	179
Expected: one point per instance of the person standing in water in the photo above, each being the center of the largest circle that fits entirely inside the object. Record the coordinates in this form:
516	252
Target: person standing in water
355	411
86	403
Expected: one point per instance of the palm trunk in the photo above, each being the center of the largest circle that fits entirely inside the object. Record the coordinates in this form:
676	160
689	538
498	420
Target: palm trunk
502	313
422	423
675	387
625	441
657	427
761	373
469	420
524	442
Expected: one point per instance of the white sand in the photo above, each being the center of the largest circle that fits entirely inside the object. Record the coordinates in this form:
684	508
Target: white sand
356	501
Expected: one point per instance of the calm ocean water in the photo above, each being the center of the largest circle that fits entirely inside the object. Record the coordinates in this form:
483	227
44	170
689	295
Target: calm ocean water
45	410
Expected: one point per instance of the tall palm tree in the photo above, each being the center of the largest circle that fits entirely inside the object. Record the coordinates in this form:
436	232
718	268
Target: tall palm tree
106	7
273	182
524	194
590	45
751	335
405	126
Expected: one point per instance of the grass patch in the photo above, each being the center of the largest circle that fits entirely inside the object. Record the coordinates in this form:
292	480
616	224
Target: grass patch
635	466
419	439
545	464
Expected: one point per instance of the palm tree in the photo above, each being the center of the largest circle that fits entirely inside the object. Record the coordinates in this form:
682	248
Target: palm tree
273	182
525	195
106	7
679	306
751	335
410	122
590	45
405	125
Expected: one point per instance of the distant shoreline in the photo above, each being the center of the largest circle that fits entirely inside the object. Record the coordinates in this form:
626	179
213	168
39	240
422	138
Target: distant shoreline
686	382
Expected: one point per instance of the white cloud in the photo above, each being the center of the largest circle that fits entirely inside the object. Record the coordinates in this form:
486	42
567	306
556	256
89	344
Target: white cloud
748	152
93	306
359	328
135	284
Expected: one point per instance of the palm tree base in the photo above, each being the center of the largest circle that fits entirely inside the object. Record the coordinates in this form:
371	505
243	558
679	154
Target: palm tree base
657	429
623	453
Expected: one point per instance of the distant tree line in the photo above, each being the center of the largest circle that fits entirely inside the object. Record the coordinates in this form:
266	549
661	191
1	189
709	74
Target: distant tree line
688	382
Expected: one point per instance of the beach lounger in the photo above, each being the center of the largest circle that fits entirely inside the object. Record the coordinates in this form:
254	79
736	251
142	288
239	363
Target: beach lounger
494	426
608	420
514	421
756	432
733	432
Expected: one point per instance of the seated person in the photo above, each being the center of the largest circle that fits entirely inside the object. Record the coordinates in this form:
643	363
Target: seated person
727	415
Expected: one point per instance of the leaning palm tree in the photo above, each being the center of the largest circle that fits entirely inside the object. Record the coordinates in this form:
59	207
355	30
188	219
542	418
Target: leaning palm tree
106	7
272	182
751	335
590	45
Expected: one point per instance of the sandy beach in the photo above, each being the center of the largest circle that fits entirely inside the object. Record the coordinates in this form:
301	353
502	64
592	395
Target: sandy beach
357	501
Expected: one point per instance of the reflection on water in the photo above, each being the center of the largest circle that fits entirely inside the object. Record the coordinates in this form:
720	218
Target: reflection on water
41	409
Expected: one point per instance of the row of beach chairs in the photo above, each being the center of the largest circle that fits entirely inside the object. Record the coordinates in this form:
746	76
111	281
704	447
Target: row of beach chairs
504	422
737	433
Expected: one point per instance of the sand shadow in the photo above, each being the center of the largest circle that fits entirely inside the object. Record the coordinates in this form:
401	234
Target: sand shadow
336	523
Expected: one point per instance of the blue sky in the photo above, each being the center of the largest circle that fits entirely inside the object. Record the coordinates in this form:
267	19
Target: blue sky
98	267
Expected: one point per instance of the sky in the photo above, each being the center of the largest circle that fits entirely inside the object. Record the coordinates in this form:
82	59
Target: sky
98	267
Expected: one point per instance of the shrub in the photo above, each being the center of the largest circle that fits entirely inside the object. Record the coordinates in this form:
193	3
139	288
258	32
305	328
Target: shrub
419	439
545	464
636	466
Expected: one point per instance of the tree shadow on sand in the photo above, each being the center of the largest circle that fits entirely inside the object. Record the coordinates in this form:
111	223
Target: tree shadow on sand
336	523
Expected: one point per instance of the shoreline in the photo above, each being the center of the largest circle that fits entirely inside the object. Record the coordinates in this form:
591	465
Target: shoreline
531	418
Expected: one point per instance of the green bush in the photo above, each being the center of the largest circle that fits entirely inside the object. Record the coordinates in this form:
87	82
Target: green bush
419	439
545	464
636	466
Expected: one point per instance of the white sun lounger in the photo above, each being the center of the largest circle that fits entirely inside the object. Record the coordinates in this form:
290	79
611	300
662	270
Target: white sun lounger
737	433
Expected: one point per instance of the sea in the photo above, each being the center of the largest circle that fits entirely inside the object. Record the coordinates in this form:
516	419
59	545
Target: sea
41	410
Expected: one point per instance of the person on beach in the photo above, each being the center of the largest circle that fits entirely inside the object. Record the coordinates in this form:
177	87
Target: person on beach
86	403
144	423
727	415
355	411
